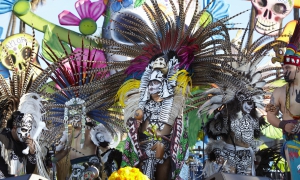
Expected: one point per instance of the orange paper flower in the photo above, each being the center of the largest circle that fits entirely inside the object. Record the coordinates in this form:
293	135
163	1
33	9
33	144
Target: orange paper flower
128	173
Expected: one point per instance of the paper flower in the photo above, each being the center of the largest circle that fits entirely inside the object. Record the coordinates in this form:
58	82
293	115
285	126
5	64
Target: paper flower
118	4
95	55
6	5
217	10
128	173
92	59
89	13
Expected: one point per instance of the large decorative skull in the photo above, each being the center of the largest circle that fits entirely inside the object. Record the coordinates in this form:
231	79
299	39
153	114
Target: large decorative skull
270	13
159	63
24	126
19	48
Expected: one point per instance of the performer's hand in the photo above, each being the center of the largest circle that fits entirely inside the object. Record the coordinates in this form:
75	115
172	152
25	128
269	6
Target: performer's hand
30	144
138	123
289	127
296	128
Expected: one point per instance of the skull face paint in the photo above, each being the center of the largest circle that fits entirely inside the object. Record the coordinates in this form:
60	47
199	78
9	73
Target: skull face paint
100	137
247	106
24	127
270	13
154	87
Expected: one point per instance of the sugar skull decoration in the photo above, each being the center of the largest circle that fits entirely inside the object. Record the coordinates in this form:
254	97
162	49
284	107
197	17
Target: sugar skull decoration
19	49
270	13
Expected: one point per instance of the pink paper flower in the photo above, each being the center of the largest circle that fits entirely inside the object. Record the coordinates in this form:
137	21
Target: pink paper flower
87	10
95	59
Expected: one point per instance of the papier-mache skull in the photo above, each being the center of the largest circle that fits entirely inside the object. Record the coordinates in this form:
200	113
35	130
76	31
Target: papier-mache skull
270	13
159	63
19	48
23	122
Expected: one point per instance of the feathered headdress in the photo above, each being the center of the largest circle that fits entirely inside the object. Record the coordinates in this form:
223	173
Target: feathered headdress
79	88
169	36
236	82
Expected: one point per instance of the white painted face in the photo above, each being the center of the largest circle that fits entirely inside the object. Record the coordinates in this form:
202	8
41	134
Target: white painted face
154	87
100	137
270	13
23	130
248	106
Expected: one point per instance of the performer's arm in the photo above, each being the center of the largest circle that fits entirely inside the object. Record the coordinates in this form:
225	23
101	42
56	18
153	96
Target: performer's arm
59	155
31	162
31	157
272	109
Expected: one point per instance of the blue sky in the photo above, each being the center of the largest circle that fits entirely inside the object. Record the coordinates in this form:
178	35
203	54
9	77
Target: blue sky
52	8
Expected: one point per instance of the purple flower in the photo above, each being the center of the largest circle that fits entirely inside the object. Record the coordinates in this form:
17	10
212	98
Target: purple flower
86	9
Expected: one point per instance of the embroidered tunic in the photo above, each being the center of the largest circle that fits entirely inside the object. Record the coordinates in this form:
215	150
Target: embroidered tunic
13	161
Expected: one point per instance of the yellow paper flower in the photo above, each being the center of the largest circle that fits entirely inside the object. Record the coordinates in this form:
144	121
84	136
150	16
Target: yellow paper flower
128	173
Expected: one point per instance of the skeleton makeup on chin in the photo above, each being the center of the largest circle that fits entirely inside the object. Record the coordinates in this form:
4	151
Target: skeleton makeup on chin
154	87
247	106
100	137
24	126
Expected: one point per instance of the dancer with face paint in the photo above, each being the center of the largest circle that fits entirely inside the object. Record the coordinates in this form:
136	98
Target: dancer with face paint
286	99
18	136
110	157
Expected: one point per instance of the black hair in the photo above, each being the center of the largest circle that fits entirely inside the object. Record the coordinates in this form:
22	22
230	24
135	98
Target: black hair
104	144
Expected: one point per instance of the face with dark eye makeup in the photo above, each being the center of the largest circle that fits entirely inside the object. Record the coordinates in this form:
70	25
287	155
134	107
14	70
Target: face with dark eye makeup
289	72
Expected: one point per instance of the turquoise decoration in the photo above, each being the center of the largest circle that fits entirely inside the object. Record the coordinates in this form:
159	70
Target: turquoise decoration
3	70
218	9
7	5
118	4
